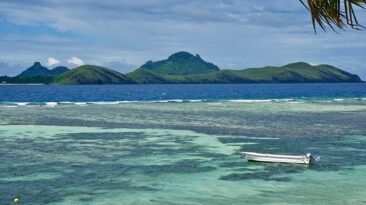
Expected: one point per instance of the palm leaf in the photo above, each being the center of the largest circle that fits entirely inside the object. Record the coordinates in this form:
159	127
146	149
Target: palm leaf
334	13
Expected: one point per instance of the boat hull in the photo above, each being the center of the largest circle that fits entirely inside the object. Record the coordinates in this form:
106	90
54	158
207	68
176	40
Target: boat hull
253	156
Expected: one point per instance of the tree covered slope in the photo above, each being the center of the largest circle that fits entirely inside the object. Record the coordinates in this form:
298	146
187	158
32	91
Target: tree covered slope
181	63
91	74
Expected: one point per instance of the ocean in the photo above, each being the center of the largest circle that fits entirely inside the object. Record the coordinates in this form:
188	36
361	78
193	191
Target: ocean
178	144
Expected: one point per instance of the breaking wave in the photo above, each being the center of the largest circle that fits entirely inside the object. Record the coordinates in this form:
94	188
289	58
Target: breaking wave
287	100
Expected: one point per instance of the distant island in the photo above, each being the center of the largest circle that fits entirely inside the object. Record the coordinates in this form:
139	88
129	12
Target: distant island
183	68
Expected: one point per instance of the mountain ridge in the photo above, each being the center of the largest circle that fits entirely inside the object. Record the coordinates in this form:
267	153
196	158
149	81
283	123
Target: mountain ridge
185	68
297	72
38	70
180	63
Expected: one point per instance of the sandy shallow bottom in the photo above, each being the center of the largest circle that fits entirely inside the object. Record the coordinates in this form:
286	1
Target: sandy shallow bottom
181	153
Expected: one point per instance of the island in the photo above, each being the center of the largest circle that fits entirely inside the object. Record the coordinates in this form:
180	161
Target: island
184	68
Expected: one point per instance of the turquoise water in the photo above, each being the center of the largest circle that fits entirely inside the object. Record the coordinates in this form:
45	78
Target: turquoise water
182	152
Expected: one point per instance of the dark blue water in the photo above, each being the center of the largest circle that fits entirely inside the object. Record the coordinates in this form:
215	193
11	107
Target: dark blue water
88	93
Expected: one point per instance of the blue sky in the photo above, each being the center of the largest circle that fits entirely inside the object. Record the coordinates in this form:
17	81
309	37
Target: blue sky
234	34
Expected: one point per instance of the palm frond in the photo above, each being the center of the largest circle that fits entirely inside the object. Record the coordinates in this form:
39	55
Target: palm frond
334	13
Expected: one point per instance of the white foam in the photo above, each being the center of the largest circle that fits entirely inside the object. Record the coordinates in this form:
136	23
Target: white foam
51	104
195	100
66	102
164	101
250	101
105	103
80	103
284	100
126	101
208	101
22	103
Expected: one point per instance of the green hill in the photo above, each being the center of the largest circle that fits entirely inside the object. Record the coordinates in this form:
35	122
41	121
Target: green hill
292	73
181	63
91	74
297	73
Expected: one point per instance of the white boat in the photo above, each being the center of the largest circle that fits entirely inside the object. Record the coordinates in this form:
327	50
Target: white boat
300	159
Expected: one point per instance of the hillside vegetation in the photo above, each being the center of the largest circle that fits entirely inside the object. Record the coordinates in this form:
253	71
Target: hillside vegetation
91	74
184	68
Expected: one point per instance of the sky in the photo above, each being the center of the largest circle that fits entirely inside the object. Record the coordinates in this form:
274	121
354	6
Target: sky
124	34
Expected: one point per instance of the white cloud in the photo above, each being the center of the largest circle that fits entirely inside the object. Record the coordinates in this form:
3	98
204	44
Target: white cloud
52	61
75	61
247	33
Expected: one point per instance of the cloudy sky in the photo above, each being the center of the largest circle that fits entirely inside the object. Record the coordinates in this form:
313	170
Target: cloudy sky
233	34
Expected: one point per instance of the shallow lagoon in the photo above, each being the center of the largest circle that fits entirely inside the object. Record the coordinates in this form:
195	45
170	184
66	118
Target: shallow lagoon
182	153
